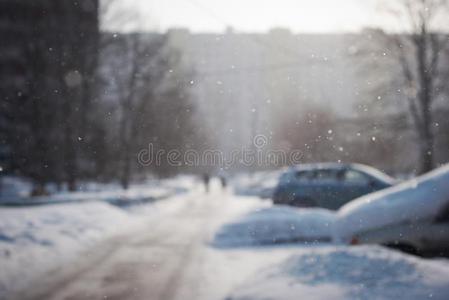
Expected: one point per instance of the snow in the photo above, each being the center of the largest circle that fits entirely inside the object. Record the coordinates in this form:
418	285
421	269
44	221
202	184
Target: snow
17	191
44	237
14	187
414	200
261	184
180	183
276	225
41	238
368	272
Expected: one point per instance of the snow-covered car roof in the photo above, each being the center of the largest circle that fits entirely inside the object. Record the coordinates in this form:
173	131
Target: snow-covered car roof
344	166
419	199
324	165
277	224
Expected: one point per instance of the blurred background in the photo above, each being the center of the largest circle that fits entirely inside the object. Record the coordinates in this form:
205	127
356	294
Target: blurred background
126	127
85	85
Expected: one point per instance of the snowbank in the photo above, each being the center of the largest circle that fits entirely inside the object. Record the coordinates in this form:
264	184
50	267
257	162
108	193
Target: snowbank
15	191
14	187
260	184
277	224
369	272
181	183
42	238
116	197
417	199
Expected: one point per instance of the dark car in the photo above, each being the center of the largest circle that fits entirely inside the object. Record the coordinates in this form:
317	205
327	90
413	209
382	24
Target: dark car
328	185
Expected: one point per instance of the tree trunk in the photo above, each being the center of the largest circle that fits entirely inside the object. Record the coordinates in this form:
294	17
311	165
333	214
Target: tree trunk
39	189
126	172
426	154
425	98
124	168
426	143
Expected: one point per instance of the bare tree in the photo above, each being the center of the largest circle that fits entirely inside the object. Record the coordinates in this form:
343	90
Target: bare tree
152	102
130	72
419	55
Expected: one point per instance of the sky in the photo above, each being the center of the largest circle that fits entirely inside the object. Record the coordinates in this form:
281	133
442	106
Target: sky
310	16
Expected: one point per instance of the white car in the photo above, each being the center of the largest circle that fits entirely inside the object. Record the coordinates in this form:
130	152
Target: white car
413	216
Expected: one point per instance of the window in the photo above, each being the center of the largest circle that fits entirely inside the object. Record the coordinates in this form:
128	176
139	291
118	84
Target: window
443	216
325	175
352	176
303	175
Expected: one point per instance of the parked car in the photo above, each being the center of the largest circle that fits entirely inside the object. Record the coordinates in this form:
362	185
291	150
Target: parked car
328	185
413	216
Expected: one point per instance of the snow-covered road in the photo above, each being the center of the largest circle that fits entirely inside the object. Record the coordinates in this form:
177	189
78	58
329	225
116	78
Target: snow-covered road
171	255
168	257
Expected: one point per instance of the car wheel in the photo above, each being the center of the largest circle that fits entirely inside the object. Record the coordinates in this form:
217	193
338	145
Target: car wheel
279	198
406	248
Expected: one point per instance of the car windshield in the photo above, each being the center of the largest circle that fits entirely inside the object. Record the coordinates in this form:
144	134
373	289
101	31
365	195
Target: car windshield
224	150
379	175
325	174
355	176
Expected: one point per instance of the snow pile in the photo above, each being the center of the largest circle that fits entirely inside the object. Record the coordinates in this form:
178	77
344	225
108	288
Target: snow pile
260	184
137	194
117	197
14	187
36	240
418	199
15	191
181	183
275	225
349	273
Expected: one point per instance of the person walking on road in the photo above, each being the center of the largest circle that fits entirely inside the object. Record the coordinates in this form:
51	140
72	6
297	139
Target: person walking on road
206	179
223	182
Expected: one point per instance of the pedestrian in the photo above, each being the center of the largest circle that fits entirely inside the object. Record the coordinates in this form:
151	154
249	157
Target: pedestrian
223	182
206	180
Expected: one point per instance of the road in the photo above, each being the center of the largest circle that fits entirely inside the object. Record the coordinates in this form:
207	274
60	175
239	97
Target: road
170	257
